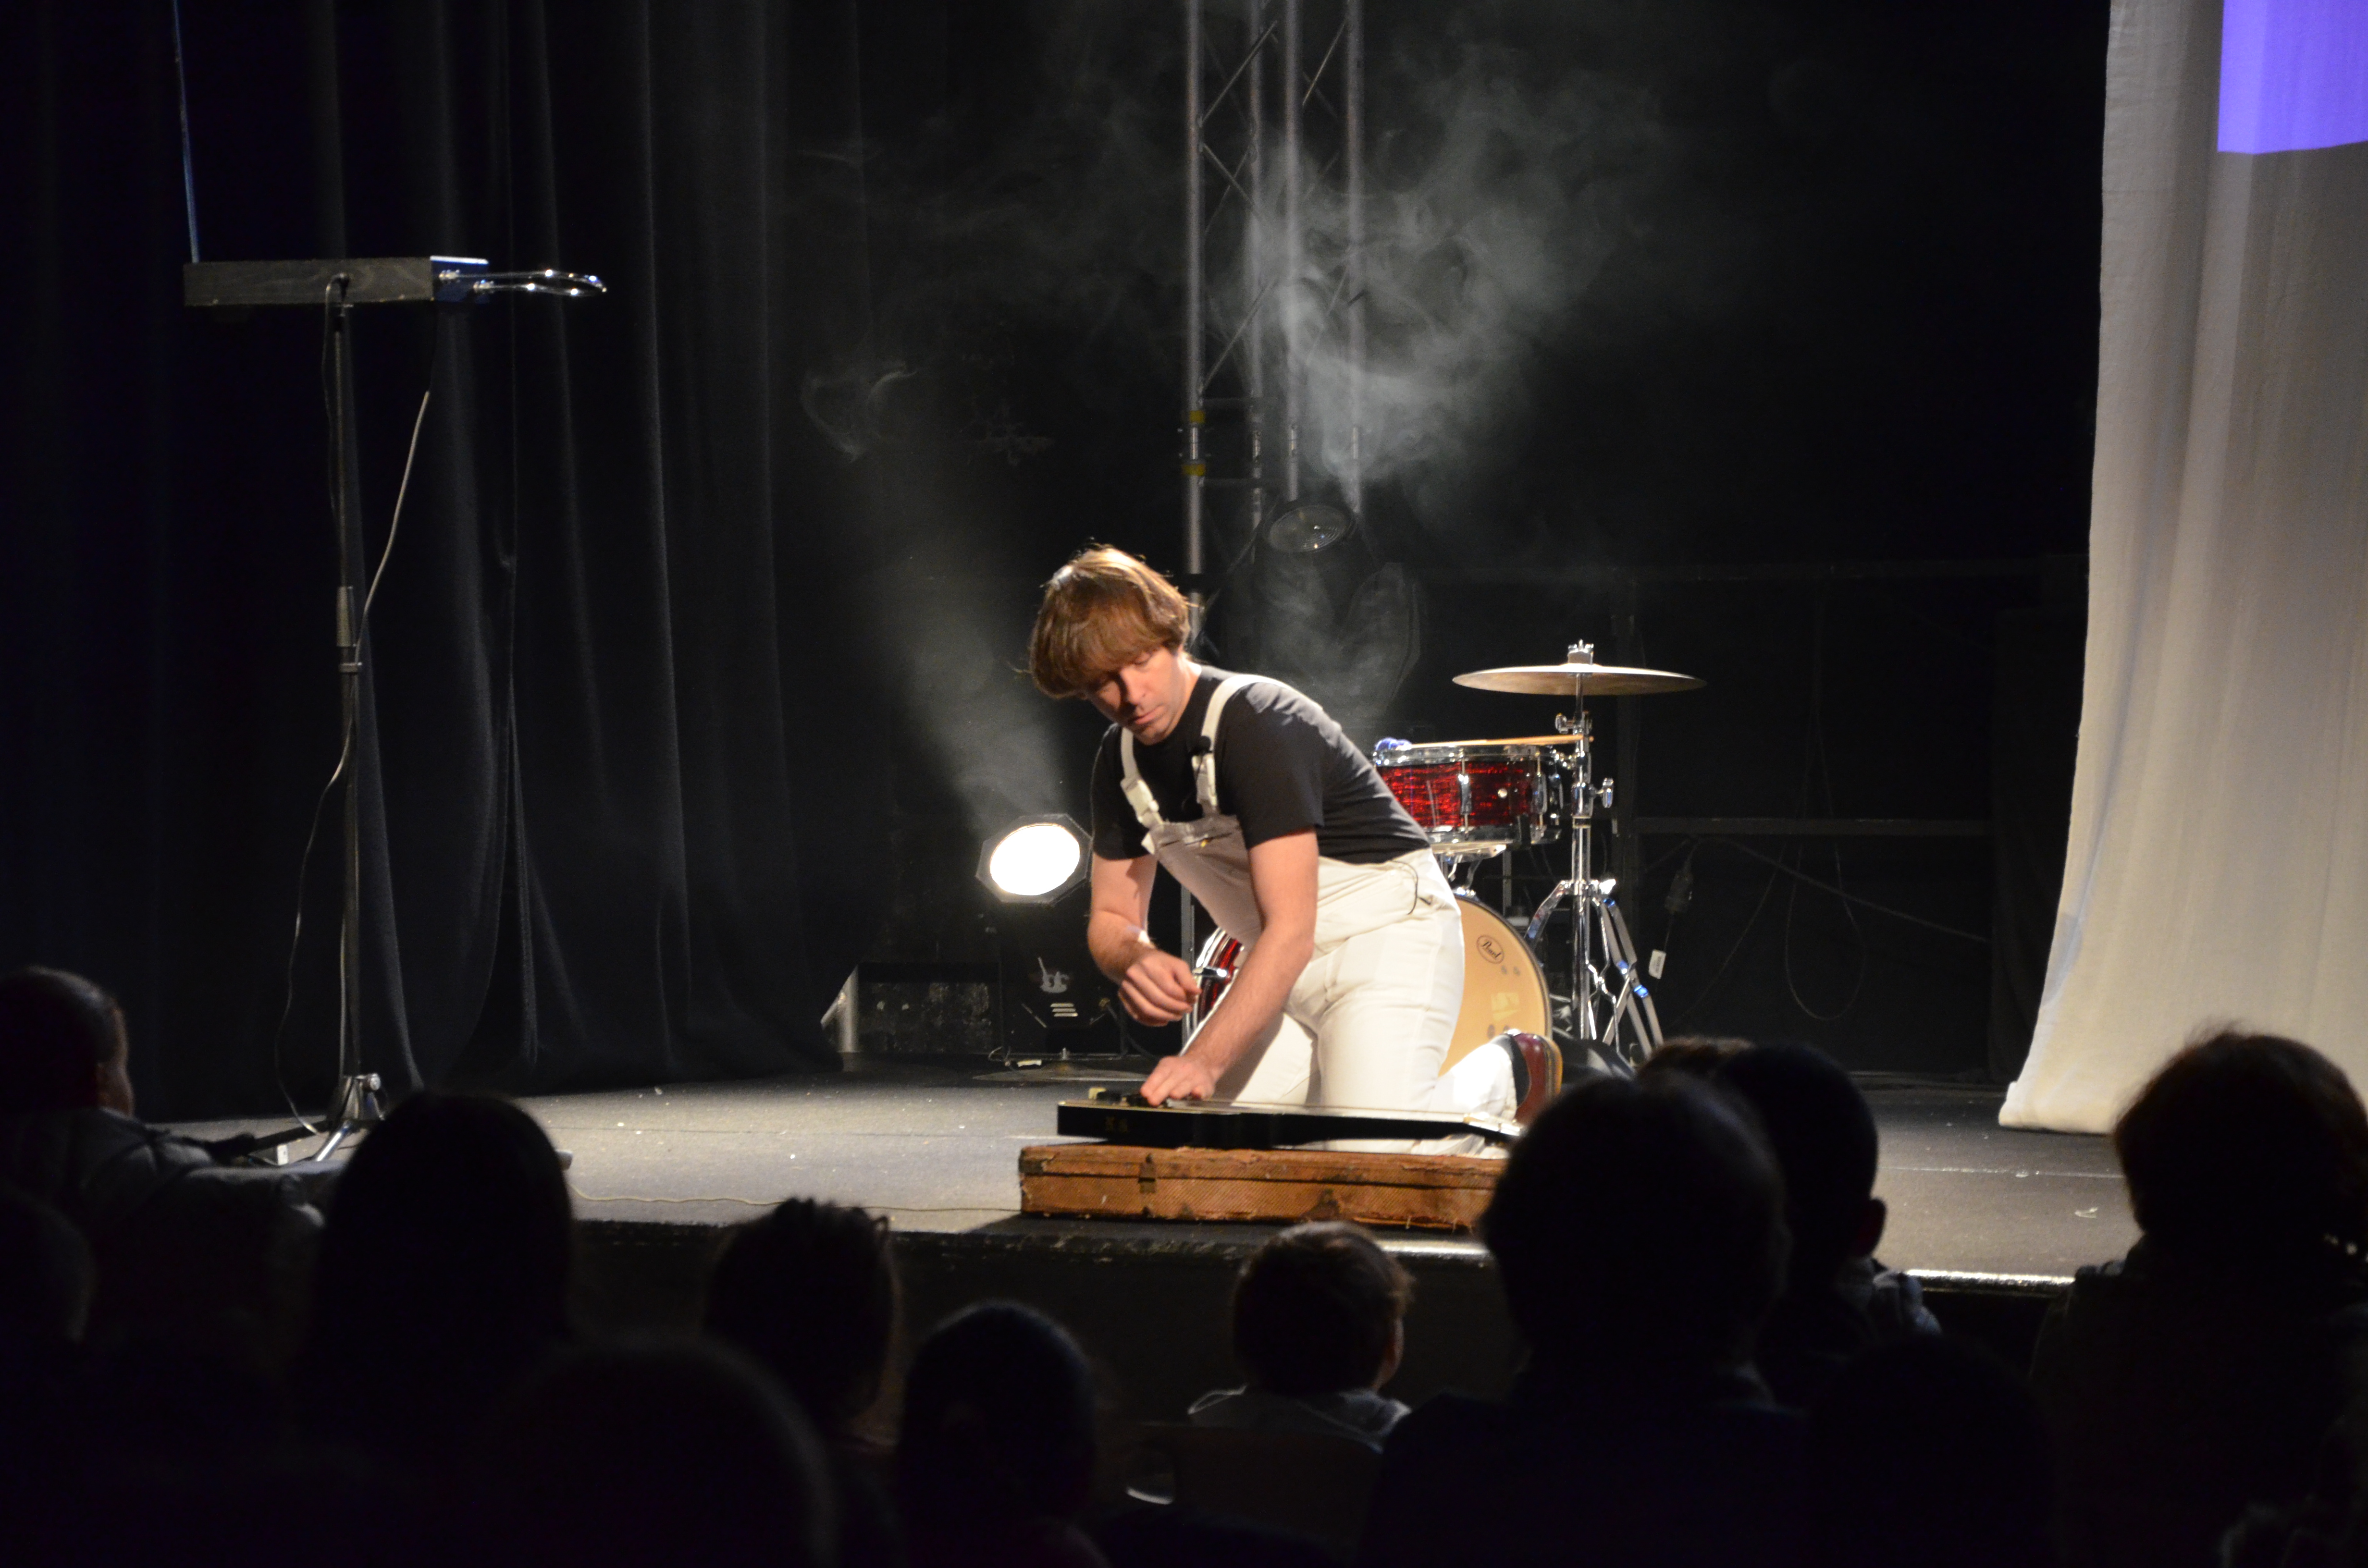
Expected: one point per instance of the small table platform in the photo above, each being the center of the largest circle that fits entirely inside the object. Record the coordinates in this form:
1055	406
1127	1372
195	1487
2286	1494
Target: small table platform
1225	1161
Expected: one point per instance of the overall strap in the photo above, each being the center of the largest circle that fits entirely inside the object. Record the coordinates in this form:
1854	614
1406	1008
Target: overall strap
1204	754
1130	782
1205	761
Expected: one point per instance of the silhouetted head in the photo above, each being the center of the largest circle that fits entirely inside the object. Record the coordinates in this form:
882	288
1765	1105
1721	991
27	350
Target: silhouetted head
443	1273
637	1454
999	1422
1100	611
1319	1309
2248	1145
62	1044
1643	1217
1696	1055
1928	1450
46	1278
1819	1128
810	1291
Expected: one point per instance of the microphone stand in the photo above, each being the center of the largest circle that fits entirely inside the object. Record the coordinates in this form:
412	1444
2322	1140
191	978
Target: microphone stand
338	285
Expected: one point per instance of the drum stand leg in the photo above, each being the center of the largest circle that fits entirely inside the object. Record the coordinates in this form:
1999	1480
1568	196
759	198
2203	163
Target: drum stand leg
1611	1012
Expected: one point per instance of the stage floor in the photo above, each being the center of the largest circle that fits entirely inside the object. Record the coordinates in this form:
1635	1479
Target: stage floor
937	1148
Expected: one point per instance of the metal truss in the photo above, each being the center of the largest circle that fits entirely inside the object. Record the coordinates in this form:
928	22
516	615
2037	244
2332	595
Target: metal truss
1269	140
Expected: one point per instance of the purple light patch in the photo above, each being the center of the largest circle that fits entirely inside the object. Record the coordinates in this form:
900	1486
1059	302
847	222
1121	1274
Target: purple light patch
2294	74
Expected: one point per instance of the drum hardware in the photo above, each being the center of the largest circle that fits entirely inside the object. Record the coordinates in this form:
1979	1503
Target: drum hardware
1475	799
1610	1008
1464	870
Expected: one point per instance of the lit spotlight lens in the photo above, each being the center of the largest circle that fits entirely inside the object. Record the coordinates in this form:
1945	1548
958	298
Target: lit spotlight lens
1034	860
1309	527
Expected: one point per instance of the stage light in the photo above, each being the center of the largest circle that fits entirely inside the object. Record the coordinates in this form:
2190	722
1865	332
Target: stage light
1035	860
1308	527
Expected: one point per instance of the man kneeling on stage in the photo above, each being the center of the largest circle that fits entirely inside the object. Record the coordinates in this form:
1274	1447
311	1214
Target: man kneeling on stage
1251	797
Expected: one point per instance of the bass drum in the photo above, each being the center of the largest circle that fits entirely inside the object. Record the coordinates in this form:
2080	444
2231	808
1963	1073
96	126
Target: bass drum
1504	988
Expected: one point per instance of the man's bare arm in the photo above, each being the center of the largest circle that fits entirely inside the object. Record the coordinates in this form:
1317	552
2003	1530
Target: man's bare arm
1156	987
1284	879
1120	891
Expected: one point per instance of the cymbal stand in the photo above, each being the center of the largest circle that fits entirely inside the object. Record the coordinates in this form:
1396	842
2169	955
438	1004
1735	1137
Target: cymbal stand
1611	1009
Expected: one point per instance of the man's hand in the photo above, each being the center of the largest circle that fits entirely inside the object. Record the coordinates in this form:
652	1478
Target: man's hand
1158	987
1178	1078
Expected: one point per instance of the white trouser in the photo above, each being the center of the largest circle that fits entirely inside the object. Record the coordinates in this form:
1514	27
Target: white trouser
1369	1020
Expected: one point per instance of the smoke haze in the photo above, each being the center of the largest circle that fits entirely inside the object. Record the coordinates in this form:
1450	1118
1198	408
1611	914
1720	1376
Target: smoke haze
1493	202
1025	269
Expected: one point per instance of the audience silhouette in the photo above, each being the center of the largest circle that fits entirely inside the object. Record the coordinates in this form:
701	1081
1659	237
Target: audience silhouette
809	1291
1717	1370
1928	1452
995	1461
633	1454
180	1244
1638	1230
46	1282
2202	1372
1838	1300
1319	1325
45	1279
443	1278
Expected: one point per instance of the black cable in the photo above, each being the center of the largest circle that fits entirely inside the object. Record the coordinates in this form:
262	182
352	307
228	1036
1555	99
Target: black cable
395	522
296	939
1851	897
188	165
1663	858
1792	986
1710	987
1814	761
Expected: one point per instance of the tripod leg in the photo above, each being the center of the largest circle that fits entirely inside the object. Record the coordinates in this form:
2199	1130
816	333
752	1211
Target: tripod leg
1635	1008
1546	906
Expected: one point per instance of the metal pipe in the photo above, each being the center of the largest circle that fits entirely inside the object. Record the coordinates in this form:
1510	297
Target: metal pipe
1196	414
1195	302
1289	290
1256	236
1352	133
346	515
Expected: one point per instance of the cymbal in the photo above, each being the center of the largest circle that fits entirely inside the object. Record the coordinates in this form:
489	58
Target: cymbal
1577	678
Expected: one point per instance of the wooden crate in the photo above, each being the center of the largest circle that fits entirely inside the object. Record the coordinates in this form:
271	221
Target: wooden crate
1424	1192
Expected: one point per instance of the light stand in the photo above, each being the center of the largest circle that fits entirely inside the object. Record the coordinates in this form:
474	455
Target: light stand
1044	967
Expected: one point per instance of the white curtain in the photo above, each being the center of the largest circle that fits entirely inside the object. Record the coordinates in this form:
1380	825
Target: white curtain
2218	861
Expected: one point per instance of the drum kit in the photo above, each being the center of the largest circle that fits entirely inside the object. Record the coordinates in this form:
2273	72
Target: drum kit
1477	799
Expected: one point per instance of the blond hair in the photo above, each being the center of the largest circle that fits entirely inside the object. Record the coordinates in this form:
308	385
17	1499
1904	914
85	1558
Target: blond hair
1102	612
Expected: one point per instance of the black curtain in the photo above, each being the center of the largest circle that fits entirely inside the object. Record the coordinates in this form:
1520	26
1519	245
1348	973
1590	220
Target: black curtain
622	779
2034	739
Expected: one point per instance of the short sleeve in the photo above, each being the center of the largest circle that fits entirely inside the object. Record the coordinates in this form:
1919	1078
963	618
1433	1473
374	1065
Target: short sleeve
1270	765
1117	834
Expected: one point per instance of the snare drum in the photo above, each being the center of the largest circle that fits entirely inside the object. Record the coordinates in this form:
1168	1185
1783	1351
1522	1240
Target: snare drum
1503	986
1476	797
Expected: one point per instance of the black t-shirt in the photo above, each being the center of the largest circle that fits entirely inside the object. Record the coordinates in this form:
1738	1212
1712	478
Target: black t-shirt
1282	767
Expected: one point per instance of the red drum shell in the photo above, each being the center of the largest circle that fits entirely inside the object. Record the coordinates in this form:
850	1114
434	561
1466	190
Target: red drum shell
1503	793
1511	798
